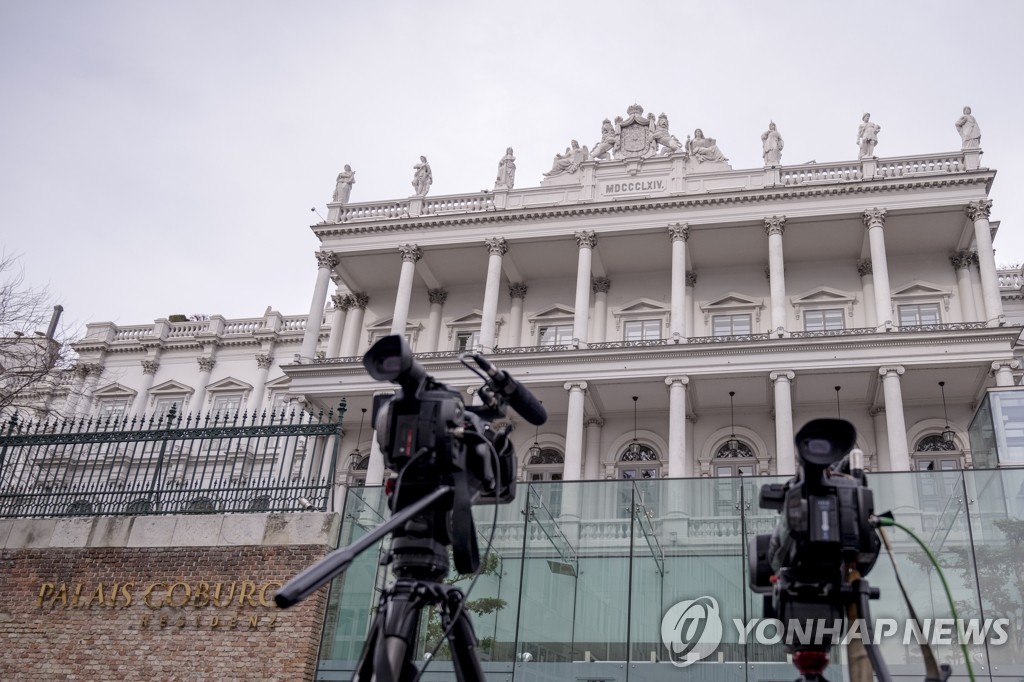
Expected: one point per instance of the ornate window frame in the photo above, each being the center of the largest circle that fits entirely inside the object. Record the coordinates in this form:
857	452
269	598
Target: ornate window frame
382	328
469	322
733	303
553	315
824	298
642	309
174	391
920	292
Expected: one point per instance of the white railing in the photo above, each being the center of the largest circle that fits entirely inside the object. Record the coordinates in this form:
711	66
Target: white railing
894	168
242	326
1010	279
469	203
133	333
180	329
812	173
294	324
390	209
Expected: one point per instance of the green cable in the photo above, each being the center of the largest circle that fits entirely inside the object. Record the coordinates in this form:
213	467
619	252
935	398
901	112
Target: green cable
888	521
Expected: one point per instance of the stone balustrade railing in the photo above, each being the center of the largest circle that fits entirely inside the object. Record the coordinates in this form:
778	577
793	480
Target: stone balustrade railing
135	333
589	190
1010	279
243	326
294	323
185	329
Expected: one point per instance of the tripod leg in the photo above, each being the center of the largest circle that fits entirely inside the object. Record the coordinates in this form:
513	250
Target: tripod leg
877	662
386	657
462	641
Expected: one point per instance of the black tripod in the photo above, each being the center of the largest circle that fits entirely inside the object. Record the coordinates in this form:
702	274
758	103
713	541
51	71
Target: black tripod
420	563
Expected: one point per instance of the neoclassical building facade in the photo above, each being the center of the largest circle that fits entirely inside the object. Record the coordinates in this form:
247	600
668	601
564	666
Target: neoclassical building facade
677	317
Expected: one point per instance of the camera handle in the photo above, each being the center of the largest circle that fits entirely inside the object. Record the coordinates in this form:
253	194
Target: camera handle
311	578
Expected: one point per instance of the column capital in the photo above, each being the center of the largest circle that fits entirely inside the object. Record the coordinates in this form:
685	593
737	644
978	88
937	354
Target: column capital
341	301
600	285
782	374
517	290
886	370
1005	364
360	300
775	225
575	386
586	239
874	217
410	253
81	370
496	246
961	260
875	411
691	278
864	267
978	210
206	364
679	232
677	379
438	296
264	360
150	366
593	421
326	259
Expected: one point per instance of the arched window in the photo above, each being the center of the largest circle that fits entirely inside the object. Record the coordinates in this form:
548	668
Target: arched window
357	474
932	453
639	461
545	464
735	458
935	443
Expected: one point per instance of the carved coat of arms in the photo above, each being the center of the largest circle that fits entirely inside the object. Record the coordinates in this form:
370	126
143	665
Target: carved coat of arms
635	137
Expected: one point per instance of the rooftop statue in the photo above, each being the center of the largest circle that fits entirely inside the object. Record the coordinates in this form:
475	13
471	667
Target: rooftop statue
969	130
661	136
422	178
867	137
609	141
506	171
570	161
343	186
771	145
703	148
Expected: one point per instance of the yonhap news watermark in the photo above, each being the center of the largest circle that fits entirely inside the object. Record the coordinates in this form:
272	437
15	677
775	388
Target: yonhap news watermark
693	629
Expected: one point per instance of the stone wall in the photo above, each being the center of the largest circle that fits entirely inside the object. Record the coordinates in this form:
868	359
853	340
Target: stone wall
159	598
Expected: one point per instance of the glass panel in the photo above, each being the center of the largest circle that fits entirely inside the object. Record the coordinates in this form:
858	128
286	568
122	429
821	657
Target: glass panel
641	330
821	320
919	314
730	325
555	335
466	340
227	404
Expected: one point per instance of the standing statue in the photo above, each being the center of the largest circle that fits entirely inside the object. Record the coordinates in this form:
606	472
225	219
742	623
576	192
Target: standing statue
661	136
609	141
703	148
772	144
506	171
570	161
422	178
867	137
969	130
343	187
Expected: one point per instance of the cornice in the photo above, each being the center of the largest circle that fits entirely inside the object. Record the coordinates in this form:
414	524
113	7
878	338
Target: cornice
713	198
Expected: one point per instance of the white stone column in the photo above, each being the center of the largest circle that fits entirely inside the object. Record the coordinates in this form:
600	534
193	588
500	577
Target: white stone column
774	227
517	292
691	283
979	303
149	369
677	455
592	462
895	423
878	419
325	261
600	286
961	262
496	247
678	329
375	467
206	364
785	448
586	240
264	361
874	221
438	297
574	430
342	302
92	372
1003	371
410	255
354	325
979	212
74	402
867	285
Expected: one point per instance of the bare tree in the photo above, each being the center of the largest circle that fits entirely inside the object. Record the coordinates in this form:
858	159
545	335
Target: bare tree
34	353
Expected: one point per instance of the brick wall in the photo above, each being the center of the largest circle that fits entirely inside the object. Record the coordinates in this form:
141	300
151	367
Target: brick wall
199	612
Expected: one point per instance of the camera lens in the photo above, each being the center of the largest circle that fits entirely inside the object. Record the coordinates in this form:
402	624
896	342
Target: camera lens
819	446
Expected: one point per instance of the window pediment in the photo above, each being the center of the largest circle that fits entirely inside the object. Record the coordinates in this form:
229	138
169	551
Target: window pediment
824	297
733	302
471	321
551	315
639	309
919	290
228	384
114	390
170	388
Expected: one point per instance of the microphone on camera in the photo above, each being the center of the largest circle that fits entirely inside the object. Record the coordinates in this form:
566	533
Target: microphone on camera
518	396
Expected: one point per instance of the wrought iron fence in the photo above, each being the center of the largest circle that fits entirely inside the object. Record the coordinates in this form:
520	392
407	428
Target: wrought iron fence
170	465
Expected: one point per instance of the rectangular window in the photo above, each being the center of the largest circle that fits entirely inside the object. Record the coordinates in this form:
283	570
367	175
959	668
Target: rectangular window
113	409
731	325
555	335
227	405
823	320
641	330
163	406
466	341
919	314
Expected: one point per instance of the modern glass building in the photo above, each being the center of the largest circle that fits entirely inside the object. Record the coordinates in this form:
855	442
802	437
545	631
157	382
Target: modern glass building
582	574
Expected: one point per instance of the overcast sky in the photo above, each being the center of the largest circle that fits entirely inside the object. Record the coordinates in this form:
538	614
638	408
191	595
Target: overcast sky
162	157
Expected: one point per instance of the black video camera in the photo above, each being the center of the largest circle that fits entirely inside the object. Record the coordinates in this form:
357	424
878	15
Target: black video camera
432	439
824	532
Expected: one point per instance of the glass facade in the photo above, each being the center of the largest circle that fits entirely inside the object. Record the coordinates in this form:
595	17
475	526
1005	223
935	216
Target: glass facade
997	430
579	592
